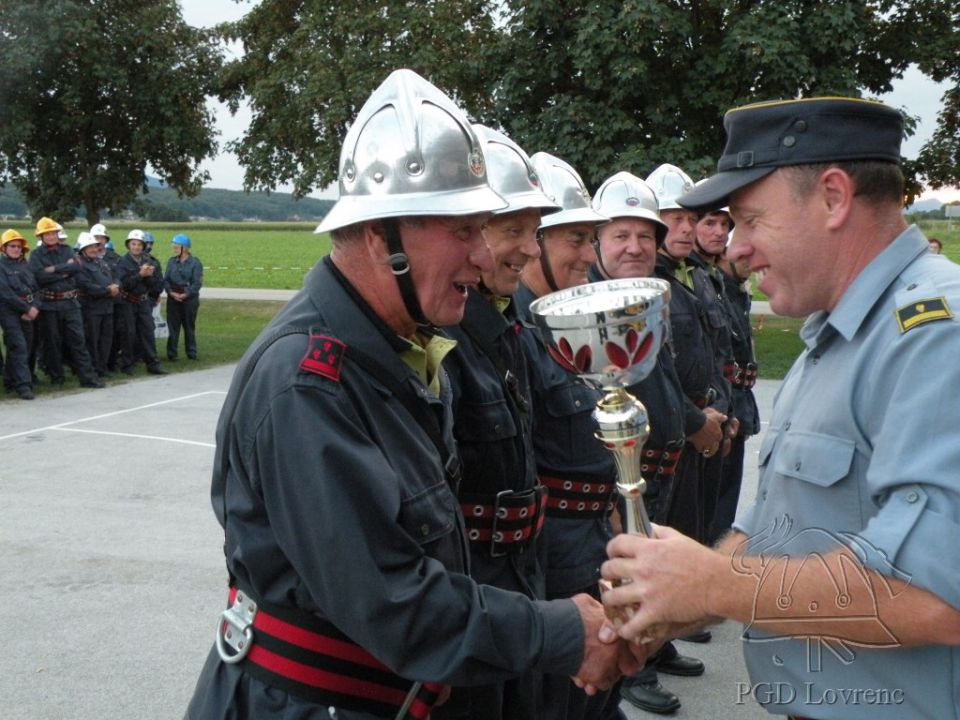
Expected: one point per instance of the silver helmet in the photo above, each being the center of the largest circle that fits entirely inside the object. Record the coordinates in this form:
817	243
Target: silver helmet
511	173
626	195
563	185
669	183
410	151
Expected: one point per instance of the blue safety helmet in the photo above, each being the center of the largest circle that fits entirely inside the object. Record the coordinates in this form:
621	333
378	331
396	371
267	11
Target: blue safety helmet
148	238
109	245
181	239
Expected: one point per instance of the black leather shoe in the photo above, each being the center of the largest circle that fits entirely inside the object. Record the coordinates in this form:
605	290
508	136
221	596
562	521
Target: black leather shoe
704	636
651	697
681	665
156	370
25	392
92	384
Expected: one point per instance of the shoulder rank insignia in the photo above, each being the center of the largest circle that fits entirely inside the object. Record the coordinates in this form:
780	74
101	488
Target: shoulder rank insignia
324	356
922	311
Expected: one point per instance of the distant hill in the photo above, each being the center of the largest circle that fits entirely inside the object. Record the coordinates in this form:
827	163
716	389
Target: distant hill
162	204
924	206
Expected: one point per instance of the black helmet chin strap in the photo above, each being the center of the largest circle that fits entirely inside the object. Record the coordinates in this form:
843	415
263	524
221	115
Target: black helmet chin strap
545	263
400	267
596	249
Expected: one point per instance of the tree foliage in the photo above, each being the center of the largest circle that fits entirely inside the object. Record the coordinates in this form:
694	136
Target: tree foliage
615	84
605	84
92	91
308	66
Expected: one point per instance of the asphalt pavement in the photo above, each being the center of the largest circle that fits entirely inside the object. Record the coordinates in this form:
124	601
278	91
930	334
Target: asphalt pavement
112	563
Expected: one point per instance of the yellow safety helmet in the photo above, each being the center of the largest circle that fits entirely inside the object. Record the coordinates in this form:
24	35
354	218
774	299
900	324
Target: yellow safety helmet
11	235
45	225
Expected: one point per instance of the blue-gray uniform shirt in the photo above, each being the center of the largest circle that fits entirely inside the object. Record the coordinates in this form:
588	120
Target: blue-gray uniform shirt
184	276
862	442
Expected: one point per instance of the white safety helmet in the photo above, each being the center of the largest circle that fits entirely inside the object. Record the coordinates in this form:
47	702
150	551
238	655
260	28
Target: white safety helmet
564	186
669	183
85	240
135	235
626	195
410	151
511	174
100	229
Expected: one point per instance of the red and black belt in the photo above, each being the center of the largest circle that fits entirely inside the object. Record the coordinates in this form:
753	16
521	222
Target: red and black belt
131	297
310	658
53	295
731	371
747	377
659	463
578	498
506	522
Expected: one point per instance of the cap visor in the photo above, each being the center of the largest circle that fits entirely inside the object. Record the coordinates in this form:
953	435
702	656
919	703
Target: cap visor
715	192
569	217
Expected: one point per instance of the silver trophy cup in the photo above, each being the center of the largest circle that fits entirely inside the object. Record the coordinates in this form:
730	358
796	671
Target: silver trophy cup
610	334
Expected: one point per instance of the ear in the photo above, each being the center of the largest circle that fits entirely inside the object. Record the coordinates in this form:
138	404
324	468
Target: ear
375	243
837	192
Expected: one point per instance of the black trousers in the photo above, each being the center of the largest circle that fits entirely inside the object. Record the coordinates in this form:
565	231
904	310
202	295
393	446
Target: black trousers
18	338
98	330
686	510
729	494
182	314
61	332
139	340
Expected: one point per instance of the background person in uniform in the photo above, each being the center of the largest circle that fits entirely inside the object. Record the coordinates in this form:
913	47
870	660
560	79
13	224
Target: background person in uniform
141	280
335	470
572	465
501	499
19	308
182	281
858	504
627	248
97	292
735	275
695	360
110	256
55	268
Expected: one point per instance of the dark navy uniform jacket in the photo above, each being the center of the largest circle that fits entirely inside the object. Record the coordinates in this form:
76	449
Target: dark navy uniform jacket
184	276
693	352
565	447
128	275
92	281
492	425
17	282
335	502
741	337
63	279
708	286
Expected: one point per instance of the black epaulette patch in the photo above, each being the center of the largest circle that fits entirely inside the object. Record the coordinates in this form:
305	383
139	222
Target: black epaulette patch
922	311
324	356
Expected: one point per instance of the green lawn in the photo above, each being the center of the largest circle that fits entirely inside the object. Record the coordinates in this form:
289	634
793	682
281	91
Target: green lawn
225	328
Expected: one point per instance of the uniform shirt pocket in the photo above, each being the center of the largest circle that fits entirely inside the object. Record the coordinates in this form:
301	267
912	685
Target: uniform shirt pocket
814	457
430	518
485	421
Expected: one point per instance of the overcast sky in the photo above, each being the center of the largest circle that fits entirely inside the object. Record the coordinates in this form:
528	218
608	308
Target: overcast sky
918	94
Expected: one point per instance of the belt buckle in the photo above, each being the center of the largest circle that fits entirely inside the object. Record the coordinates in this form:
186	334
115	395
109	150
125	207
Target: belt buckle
235	628
496	537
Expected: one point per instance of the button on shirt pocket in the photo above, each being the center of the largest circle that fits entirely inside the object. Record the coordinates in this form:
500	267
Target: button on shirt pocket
485	422
430	518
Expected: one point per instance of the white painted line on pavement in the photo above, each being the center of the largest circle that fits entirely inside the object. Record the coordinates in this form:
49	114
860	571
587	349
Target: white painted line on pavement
112	414
133	435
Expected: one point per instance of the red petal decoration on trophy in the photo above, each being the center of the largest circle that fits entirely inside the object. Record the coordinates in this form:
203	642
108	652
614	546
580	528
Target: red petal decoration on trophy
644	348
565	349
632	340
617	355
561	360
584	358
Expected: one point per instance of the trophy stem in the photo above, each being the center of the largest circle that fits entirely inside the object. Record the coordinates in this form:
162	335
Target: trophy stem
624	429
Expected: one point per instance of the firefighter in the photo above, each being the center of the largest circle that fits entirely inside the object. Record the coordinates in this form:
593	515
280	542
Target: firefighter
335	469
19	309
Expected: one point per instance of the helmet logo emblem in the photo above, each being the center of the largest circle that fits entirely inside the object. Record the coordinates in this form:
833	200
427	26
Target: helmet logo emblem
477	166
632	201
